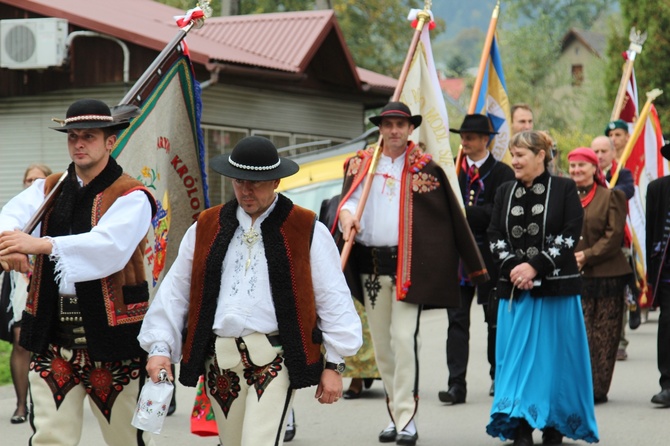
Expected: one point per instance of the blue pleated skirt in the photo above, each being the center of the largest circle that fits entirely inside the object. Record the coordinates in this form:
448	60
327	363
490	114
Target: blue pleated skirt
543	368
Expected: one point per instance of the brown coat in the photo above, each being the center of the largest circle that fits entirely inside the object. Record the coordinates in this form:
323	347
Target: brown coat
602	235
433	235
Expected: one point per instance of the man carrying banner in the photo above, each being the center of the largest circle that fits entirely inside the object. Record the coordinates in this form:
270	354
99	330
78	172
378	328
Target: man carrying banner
658	272
88	293
258	283
479	178
406	255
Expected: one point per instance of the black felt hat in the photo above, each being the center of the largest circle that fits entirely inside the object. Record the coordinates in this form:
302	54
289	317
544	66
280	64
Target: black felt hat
665	151
254	158
476	124
396	110
93	114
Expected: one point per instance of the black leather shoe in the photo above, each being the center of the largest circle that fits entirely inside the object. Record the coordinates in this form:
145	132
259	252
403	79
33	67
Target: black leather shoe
662	398
406	439
455	395
388	435
634	318
289	433
172	407
600	399
551	436
492	390
291	429
350	394
524	435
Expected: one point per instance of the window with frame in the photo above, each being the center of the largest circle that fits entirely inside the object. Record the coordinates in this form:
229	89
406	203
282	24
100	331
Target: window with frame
577	75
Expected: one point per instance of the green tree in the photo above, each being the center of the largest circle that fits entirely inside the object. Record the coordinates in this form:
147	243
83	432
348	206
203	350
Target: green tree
531	34
563	14
653	64
457	66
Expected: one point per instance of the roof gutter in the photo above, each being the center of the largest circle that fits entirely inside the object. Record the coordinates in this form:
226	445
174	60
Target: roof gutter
237	70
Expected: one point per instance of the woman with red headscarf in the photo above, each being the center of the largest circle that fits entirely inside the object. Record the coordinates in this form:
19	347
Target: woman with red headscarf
603	266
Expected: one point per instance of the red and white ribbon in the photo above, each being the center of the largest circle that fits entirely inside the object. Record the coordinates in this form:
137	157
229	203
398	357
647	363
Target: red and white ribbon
192	14
413	16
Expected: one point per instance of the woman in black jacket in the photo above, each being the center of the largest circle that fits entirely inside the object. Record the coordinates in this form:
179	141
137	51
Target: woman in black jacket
543	372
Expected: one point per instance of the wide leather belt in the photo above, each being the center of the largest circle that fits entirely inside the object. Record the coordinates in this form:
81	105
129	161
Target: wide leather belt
69	332
376	260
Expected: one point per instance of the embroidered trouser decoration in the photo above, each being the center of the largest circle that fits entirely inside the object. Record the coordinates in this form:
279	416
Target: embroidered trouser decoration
224	386
234	359
261	377
372	288
63	369
60	374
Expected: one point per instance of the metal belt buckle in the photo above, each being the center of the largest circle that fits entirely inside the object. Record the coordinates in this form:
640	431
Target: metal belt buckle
68	310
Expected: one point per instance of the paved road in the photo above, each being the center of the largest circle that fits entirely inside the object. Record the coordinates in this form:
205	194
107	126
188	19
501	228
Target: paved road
628	419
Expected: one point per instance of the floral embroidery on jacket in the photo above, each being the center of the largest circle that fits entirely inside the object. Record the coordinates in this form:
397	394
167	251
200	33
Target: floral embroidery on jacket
355	162
424	182
418	160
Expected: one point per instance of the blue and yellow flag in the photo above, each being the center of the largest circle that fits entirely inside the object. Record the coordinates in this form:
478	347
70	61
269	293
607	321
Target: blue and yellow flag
493	101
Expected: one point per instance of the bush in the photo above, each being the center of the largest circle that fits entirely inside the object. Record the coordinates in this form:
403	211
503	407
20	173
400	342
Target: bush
5	374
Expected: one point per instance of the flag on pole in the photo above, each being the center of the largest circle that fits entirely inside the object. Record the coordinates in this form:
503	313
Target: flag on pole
646	164
422	94
493	102
163	148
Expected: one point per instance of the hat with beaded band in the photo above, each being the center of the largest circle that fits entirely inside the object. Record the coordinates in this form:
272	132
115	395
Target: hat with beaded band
254	158
90	114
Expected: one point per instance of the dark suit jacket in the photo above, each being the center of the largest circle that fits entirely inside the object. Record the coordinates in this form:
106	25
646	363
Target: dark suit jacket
625	182
478	209
658	218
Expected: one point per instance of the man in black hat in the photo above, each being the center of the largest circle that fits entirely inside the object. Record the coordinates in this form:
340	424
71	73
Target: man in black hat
258	283
479	178
406	255
658	272
88	293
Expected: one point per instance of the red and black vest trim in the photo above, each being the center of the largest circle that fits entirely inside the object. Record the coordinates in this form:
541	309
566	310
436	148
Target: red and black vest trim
113	307
287	234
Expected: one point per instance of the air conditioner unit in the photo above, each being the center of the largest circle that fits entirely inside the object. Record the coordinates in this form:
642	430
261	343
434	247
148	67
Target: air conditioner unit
32	43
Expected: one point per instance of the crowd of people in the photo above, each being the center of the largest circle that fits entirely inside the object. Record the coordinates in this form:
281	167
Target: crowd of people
257	305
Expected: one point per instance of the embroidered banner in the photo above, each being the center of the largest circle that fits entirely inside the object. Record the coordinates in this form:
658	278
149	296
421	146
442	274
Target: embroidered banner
422	94
164	149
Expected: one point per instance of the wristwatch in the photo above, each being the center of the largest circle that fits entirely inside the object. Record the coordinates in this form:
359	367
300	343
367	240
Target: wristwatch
339	367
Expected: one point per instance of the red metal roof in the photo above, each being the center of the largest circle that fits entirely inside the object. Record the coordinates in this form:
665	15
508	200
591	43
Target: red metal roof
281	41
284	41
454	87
